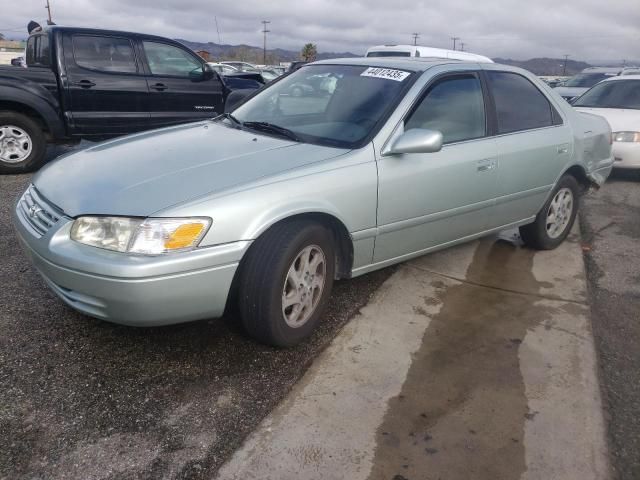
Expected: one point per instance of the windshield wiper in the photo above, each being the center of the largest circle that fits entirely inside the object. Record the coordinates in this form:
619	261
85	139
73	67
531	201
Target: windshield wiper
229	116
271	128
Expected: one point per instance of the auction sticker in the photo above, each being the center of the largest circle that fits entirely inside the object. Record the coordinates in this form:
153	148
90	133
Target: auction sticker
386	73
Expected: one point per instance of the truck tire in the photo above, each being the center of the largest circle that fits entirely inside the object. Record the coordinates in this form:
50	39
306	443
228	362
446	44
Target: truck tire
286	281
555	220
22	143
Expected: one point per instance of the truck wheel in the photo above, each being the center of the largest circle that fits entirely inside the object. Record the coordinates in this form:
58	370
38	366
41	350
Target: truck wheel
555	220
22	143
286	281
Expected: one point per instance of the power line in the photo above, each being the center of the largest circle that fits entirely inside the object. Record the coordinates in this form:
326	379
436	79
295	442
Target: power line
264	45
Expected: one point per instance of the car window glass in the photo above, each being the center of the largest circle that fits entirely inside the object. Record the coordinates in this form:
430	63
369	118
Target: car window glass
108	54
336	105
167	59
613	94
454	107
38	51
519	104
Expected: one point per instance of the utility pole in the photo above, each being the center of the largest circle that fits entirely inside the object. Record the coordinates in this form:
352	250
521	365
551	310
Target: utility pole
218	30
564	66
264	45
455	39
48	7
415	38
462	44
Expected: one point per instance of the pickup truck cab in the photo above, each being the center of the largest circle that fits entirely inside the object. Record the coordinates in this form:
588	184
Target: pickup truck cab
94	84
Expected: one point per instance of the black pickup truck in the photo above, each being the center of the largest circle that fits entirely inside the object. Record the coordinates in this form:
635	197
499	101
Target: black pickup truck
88	83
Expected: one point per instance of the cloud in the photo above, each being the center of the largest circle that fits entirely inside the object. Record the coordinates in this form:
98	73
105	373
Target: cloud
590	30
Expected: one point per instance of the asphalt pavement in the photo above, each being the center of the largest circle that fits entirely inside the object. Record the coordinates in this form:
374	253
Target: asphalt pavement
611	236
84	399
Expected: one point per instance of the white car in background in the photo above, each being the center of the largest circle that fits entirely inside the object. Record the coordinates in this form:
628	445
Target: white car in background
583	81
618	100
428	52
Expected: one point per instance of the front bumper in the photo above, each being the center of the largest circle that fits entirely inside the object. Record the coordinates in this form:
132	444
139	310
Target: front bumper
626	154
128	289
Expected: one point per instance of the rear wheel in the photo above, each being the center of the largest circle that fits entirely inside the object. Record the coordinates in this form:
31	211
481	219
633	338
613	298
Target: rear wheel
555	220
286	282
22	143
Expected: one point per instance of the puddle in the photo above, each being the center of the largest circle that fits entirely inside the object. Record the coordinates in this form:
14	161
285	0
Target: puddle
462	409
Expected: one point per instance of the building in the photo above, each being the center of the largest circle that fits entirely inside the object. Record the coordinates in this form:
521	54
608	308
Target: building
205	55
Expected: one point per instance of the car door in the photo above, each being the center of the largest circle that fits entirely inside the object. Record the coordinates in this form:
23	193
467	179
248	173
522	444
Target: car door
107	92
430	199
534	145
178	91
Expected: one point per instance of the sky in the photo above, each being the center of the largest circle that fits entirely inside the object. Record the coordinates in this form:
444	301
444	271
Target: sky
589	30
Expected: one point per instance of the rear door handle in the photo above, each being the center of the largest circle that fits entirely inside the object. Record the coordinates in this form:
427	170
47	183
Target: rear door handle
486	165
159	86
84	84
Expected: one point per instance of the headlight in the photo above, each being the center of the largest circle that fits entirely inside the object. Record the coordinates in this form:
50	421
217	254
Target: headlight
152	236
626	136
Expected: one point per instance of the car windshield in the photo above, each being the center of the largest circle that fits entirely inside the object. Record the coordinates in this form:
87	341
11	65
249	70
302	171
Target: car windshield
613	94
333	105
586	79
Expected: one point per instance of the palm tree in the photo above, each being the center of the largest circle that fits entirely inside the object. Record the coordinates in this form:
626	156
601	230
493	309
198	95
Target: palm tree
309	52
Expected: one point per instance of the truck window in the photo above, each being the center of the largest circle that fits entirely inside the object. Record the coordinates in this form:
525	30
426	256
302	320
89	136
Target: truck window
167	59
38	53
106	54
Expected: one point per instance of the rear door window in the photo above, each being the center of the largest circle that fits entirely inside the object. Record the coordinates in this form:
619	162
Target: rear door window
519	103
38	53
106	54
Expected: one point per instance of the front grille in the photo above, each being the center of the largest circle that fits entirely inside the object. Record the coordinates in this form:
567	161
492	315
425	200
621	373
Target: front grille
36	212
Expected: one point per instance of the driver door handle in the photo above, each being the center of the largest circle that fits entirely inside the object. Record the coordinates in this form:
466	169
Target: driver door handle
486	165
159	87
84	84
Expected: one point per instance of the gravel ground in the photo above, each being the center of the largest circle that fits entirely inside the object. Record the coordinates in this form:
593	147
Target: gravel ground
84	399
611	236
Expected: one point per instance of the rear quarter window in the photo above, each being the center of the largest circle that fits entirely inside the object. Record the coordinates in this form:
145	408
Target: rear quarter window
38	51
519	104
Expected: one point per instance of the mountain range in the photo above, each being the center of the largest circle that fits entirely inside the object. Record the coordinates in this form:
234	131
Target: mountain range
248	53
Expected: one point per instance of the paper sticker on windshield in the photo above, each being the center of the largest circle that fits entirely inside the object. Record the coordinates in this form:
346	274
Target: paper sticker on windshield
386	73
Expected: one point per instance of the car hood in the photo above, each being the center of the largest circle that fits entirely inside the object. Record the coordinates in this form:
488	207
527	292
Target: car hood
570	91
141	174
620	119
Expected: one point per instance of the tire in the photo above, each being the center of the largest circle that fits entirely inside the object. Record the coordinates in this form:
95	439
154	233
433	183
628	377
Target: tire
555	220
22	143
267	276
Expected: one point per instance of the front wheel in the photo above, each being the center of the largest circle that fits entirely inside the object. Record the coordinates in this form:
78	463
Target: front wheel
555	220
286	281
22	143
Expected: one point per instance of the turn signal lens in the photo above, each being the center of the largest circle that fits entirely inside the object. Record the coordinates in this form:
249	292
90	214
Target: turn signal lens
184	236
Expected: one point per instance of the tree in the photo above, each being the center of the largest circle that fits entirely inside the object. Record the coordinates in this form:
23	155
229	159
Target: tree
309	52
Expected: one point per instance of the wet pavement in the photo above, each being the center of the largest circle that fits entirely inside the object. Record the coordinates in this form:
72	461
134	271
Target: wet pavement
476	362
611	237
84	399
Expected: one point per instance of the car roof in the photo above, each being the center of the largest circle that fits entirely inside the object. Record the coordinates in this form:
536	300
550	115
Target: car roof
101	31
411	64
621	78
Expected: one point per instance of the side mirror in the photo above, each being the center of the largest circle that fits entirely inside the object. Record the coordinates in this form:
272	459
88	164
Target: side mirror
208	72
416	140
202	74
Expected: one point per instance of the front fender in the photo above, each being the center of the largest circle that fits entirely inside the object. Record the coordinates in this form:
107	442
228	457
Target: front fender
47	109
